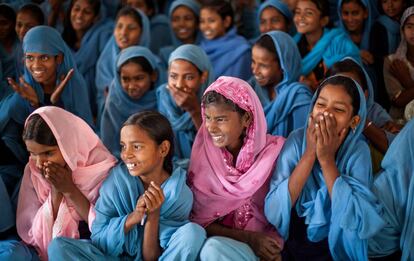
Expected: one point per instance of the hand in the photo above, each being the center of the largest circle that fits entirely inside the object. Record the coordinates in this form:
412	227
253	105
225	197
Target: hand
327	138
367	57
185	98
153	198
311	137
59	177
392	127
401	72
25	91
265	247
54	98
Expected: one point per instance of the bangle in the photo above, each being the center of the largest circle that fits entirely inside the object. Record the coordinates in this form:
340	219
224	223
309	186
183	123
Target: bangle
368	124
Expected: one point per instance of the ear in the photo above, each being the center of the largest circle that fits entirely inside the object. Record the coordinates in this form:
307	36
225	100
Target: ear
154	76
164	148
59	58
355	121
324	21
227	22
204	76
247	119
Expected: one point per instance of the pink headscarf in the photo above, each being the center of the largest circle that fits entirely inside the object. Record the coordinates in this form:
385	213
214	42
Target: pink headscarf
89	161
234	192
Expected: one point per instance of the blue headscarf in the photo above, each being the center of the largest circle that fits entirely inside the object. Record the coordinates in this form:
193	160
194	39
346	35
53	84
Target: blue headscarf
394	187
333	46
105	67
279	5
118	198
46	40
371	8
194	6
351	216
230	55
393	32
119	106
180	120
290	94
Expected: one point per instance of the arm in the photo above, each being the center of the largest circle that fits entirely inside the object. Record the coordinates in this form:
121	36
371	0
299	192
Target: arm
376	136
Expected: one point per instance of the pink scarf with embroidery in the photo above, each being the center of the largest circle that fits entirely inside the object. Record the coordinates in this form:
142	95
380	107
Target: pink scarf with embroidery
234	192
89	161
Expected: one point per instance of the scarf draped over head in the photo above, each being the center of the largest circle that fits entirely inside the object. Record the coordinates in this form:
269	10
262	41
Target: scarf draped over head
89	162
119	106
280	6
180	120
222	189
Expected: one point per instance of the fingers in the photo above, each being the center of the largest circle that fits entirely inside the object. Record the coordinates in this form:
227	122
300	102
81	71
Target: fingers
54	98
14	85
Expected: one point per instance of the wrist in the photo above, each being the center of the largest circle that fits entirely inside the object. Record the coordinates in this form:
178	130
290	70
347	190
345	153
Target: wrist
326	160
368	125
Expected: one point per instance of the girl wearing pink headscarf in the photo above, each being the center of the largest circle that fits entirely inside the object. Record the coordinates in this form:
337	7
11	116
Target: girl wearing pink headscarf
67	166
231	162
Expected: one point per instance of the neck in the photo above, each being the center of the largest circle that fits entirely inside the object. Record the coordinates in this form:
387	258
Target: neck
410	53
49	86
271	92
190	40
158	176
235	150
313	37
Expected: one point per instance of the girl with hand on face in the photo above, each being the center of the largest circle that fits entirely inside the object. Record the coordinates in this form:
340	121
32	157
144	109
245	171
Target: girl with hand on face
274	15
319	46
61	181
228	52
86	33
189	74
133	90
144	204
320	197
184	19
131	28
399	68
231	162
276	65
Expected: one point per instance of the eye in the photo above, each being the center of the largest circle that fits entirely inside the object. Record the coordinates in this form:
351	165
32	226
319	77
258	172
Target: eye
173	76
44	58
137	147
29	58
320	105
189	77
49	153
122	147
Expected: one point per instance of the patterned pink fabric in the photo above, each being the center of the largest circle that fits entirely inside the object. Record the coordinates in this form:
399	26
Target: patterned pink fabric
89	161
234	193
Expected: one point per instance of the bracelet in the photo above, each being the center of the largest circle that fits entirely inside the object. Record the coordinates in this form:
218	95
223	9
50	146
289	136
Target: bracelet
369	124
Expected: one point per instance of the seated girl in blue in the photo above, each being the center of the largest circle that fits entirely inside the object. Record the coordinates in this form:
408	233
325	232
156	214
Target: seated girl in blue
189	74
276	67
394	188
133	90
319	198
144	205
9	43
131	28
274	15
319	46
184	17
86	32
229	52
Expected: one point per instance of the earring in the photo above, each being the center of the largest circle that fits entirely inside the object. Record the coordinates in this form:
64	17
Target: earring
353	130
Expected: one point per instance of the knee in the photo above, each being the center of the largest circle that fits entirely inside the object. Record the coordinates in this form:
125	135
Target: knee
193	235
210	249
56	248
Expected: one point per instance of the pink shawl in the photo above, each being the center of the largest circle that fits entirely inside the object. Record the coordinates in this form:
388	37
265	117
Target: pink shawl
234	192
89	161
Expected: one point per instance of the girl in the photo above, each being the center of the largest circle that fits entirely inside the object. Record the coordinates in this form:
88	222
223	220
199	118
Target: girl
184	17
189	74
274	15
394	188
131	28
229	53
55	11
61	181
86	32
231	162
357	17
276	69
319	196
399	68
28	16
50	75
143	208
131	91
9	43
319	46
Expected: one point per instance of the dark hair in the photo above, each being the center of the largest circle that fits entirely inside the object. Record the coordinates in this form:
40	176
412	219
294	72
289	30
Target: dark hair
37	130
213	97
358	2
323	7
142	61
223	8
68	34
35	11
129	11
158	128
7	12
349	86
406	3
266	42
348	66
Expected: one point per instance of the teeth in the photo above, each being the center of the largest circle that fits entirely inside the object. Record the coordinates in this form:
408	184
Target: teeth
131	165
37	73
216	138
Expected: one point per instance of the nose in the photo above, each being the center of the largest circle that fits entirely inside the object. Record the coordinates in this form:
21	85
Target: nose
38	161
254	69
179	83
210	126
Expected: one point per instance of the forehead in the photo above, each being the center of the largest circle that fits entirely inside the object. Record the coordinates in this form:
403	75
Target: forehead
131	68
33	146
306	4
134	133
127	19
181	65
335	93
270	11
82	3
219	109
410	20
182	10
208	12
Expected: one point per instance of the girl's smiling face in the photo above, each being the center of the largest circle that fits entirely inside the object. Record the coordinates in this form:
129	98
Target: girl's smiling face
271	19
184	24
127	32
308	18
40	154
24	22
353	16
212	25
134	80
265	67
43	67
408	31
393	8
82	15
184	75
